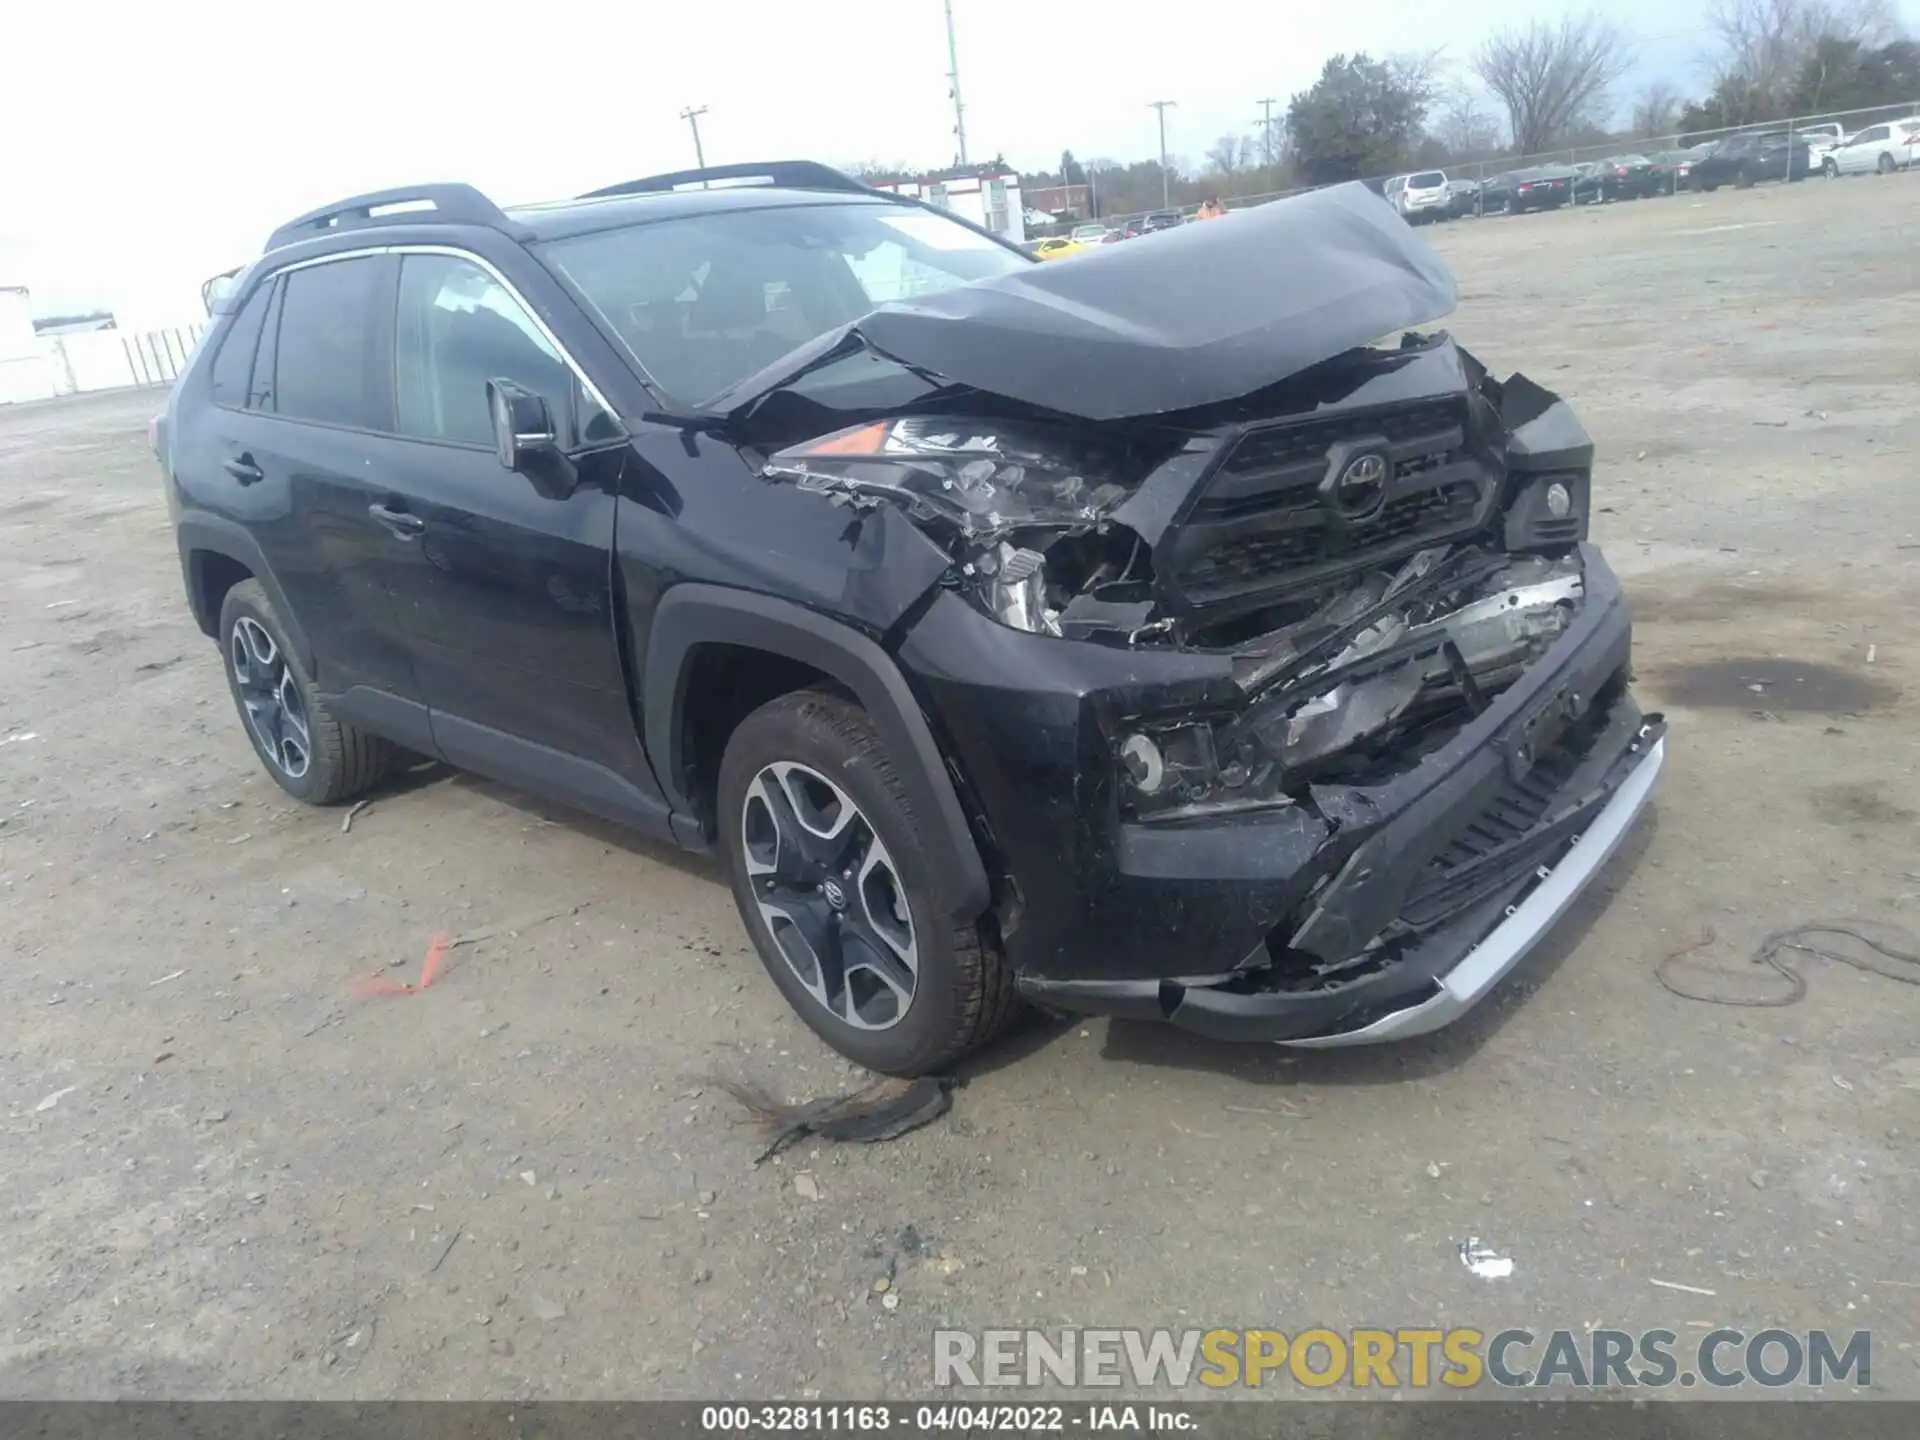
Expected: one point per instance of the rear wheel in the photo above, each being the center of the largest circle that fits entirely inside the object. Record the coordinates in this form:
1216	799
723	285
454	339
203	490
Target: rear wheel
1743	178
308	753
833	884
1886	165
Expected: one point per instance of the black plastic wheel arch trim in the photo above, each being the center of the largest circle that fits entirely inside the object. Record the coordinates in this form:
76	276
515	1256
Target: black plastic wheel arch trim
691	615
203	534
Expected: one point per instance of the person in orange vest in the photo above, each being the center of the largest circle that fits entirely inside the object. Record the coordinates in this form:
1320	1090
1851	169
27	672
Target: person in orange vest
1211	209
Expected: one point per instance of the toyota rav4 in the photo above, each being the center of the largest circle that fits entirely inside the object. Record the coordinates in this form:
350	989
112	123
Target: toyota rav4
1145	636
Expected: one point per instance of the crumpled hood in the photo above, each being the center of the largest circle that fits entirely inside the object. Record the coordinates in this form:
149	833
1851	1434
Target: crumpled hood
1193	316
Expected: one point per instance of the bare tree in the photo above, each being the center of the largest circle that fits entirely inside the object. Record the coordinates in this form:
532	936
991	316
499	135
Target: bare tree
1655	112
1226	155
1762	43
1552	74
1466	126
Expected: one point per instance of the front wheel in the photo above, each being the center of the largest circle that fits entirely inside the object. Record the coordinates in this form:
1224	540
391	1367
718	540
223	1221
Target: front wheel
1886	165
831	880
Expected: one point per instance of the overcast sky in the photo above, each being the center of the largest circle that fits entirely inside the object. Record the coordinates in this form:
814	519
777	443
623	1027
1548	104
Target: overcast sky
147	147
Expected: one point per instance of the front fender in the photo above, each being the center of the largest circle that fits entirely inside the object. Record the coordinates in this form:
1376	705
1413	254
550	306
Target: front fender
691	615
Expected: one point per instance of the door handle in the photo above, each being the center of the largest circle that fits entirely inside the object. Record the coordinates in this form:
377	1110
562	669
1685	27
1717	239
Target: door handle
242	468
403	524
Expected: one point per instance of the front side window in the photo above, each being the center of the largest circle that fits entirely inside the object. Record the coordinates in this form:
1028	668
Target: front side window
327	365
456	328
704	301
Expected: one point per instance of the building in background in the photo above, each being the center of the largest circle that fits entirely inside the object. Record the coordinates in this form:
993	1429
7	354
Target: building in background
1063	202
988	195
23	362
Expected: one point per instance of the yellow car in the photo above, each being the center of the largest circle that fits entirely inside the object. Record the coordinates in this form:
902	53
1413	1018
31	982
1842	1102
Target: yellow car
1058	247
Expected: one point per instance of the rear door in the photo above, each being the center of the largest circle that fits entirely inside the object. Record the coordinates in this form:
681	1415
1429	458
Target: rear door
302	443
503	587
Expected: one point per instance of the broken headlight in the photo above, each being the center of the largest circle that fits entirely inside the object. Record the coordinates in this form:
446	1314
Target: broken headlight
984	478
1168	773
978	481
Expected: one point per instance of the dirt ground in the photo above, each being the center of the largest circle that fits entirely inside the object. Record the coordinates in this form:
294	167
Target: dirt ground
228	1175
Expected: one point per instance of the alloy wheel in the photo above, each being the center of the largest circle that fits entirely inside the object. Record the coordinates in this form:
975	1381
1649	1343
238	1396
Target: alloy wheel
270	697
830	896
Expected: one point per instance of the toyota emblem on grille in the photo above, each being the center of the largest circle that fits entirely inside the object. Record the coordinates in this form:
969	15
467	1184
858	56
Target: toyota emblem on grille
1361	485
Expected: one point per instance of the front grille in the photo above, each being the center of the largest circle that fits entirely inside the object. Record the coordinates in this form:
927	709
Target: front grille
1499	846
1281	446
1260	521
1410	518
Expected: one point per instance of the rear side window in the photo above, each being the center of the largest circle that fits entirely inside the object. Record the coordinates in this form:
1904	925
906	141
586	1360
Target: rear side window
233	362
329	363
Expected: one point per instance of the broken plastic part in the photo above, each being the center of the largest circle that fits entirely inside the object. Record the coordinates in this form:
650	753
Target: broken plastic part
1424	658
985	478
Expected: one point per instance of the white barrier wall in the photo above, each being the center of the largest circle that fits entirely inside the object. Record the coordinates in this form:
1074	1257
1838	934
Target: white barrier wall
95	360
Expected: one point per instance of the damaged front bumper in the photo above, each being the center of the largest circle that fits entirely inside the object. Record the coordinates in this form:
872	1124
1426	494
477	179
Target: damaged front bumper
1372	912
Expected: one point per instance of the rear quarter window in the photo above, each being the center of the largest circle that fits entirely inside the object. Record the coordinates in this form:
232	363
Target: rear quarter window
233	361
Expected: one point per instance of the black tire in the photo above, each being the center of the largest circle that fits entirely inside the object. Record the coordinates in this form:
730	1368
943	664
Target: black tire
1885	165
1829	169
963	993
342	762
1709	186
1743	178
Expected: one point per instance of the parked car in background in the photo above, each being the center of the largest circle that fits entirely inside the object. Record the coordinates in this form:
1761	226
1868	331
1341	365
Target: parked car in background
1057	247
1419	197
1539	187
1160	220
1744	160
1821	138
1463	198
1618	177
1889	146
1675	169
1091	233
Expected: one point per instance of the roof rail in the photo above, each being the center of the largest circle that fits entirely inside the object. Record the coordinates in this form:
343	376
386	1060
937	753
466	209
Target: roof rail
408	205
785	174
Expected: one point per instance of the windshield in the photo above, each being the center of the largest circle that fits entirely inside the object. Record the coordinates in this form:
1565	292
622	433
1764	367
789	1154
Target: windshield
707	300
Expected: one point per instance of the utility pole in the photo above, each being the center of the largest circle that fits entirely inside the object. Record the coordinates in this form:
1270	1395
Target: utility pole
953	87
1166	186
1266	130
692	117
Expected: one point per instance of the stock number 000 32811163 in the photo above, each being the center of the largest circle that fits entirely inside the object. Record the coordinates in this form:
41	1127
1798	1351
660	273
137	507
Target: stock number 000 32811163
856	1419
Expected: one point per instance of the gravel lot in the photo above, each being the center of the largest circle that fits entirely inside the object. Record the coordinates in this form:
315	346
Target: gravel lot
228	1175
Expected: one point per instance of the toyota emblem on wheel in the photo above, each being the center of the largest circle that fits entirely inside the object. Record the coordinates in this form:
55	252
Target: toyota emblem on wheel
1361	486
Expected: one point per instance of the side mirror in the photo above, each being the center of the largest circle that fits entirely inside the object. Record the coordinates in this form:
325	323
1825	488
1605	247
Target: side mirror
524	439
522	424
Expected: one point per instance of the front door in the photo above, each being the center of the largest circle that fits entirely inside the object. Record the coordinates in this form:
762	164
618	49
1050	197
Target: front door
504	591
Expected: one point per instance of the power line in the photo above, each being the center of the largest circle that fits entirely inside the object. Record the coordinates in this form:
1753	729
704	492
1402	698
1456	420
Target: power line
1266	128
953	87
1166	188
692	116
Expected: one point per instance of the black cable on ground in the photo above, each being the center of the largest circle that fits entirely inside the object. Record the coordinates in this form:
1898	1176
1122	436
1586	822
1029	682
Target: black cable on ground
1884	961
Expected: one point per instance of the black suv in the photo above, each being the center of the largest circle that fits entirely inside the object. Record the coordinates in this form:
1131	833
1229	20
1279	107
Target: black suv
1130	635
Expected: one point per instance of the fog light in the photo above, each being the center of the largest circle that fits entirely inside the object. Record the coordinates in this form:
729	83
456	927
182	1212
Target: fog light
1559	501
1145	765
